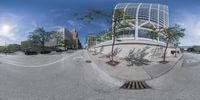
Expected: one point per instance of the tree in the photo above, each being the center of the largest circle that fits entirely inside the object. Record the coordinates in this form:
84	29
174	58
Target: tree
73	44
171	35
13	47
25	45
58	36
41	36
176	46
154	33
117	16
66	43
2	49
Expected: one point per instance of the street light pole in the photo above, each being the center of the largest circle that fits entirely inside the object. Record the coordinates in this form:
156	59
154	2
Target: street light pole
5	48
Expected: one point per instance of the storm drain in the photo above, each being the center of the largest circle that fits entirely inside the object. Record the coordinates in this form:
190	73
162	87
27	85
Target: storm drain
135	85
88	61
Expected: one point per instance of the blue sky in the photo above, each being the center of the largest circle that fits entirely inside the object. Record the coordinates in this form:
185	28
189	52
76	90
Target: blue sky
22	16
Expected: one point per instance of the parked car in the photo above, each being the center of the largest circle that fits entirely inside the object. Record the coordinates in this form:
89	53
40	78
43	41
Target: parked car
45	52
8	51
30	52
59	50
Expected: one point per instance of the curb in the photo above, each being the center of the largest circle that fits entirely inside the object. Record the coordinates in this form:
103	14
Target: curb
38	66
103	75
167	70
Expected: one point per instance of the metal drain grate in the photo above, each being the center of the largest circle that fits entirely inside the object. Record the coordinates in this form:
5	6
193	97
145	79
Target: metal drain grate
135	85
88	61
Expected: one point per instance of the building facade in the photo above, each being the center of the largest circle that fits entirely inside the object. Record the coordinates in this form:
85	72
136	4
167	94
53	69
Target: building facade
65	34
90	41
74	36
139	19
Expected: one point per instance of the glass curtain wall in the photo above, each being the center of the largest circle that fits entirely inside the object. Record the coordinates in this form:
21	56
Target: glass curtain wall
126	33
142	33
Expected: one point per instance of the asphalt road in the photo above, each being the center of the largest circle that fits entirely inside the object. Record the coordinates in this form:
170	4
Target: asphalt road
68	77
61	77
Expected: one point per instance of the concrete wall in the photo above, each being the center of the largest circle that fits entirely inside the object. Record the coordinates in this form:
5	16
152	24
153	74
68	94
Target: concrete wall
153	48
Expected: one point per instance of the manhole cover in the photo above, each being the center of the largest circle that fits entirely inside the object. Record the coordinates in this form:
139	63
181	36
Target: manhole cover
88	61
135	85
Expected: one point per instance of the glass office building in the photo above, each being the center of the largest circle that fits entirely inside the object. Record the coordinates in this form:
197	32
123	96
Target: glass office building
133	28
140	17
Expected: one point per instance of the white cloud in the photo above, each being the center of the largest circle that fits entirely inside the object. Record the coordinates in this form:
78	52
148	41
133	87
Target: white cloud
76	24
191	22
71	22
9	29
60	10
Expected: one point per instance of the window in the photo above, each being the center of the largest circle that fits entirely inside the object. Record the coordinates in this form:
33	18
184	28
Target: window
145	34
144	12
131	12
126	33
154	15
161	17
161	38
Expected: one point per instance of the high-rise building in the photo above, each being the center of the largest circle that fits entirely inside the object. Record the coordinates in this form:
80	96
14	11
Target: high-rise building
65	32
75	38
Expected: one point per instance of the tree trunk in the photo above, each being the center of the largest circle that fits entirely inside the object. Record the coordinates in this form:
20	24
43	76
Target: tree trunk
57	43
65	47
113	42
175	52
42	46
164	57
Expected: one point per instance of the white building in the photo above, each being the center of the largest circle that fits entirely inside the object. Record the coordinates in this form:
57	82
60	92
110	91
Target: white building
66	35
65	32
139	17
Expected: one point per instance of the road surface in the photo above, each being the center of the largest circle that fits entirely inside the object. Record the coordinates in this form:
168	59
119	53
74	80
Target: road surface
68	77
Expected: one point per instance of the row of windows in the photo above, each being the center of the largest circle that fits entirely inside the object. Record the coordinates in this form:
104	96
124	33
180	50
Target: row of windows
131	12
141	34
126	33
143	5
143	13
145	34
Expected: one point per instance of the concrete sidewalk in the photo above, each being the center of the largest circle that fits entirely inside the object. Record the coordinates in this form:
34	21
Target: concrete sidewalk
134	73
